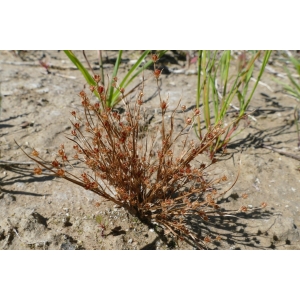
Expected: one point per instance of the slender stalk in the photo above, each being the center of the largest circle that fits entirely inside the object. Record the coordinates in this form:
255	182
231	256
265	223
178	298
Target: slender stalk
101	67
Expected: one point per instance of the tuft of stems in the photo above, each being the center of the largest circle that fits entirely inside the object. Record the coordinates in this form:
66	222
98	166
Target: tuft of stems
218	89
153	174
293	89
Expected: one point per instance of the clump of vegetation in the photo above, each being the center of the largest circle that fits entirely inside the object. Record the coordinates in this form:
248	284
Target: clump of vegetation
153	174
293	89
217	87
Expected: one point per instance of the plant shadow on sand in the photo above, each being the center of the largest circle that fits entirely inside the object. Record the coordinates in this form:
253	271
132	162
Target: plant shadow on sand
224	231
23	175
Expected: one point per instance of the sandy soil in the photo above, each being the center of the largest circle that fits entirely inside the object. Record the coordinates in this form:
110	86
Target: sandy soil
44	212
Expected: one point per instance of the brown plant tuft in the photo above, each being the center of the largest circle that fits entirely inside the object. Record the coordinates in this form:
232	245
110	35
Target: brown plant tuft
144	173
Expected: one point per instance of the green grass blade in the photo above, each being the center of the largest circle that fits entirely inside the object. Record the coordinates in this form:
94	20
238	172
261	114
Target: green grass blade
89	79
125	81
130	76
293	81
115	73
296	64
199	79
262	69
225	70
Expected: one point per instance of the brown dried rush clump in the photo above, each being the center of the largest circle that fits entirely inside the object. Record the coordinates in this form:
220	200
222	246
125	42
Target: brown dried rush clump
141	174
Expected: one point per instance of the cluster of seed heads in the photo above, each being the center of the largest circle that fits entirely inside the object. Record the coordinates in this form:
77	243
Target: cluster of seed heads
147	176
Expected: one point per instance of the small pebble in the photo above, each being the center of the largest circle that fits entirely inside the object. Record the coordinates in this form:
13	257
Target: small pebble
250	206
129	241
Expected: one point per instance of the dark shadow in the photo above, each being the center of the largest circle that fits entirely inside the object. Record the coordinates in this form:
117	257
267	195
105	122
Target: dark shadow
152	245
23	175
5	126
15	117
40	219
70	244
230	229
116	231
225	228
261	138
23	193
155	94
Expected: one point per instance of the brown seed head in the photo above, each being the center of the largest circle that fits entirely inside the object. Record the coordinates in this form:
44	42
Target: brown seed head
82	94
218	238
61	152
188	121
224	178
60	172
97	78
163	105
207	239
55	164
34	153
243	208
196	112
263	205
157	73
154	58
100	89
37	171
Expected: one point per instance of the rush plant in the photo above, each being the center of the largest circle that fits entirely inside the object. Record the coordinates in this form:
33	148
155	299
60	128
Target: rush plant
152	172
293	89
217	86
